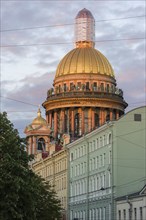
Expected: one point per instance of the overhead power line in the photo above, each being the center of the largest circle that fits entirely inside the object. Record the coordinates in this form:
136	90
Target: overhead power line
57	43
18	101
62	25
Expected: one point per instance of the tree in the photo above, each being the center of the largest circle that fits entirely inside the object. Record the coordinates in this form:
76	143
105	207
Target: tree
23	195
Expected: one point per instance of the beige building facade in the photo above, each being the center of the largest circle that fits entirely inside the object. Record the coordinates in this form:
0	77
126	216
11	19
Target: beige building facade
54	170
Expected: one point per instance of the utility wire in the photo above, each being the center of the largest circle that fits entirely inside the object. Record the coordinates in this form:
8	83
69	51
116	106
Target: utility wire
18	101
132	182
57	43
62	25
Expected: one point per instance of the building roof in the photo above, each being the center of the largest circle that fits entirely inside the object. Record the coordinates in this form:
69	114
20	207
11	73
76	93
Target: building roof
142	192
84	60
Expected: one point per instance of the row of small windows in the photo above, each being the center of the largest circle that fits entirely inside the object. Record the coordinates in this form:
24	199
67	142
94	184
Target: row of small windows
60	184
94	213
48	170
79	86
94	145
97	162
60	166
135	214
78	187
99	213
96	182
94	164
78	170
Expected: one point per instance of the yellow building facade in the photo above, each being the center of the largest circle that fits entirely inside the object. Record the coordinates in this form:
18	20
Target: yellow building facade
54	170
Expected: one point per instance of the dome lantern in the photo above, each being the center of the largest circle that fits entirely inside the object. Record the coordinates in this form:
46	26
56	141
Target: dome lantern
84	29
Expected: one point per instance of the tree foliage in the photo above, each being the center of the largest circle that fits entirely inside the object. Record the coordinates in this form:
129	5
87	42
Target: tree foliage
23	195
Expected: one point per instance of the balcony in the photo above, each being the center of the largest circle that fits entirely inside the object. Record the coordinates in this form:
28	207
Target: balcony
117	94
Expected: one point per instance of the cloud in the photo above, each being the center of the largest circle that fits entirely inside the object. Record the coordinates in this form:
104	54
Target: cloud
28	72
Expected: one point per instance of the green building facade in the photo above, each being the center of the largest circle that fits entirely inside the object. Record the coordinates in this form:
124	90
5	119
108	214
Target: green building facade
107	163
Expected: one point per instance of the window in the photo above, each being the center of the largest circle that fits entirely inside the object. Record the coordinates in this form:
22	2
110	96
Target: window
71	86
110	139
64	87
141	213
100	141
107	87
41	144
71	157
65	122
137	117
124	214
119	214
77	124
108	117
87	85
93	145
59	88
135	214
78	85
96	120
95	86
102	87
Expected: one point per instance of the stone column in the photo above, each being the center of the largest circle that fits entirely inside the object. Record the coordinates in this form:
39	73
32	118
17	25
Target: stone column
62	120
111	114
89	119
83	120
34	146
55	124
50	119
72	122
117	114
93	118
102	116
47	117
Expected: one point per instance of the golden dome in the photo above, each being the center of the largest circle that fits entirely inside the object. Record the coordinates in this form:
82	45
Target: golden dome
84	60
39	120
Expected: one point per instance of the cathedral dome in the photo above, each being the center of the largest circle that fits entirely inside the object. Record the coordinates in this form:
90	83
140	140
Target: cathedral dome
84	60
39	120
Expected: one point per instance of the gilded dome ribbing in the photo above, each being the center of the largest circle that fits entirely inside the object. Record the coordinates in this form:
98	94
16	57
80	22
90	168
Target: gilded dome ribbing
84	60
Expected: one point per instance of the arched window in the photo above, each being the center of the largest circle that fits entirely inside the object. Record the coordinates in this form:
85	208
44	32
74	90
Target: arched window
77	118
41	144
110	139
96	120
107	87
